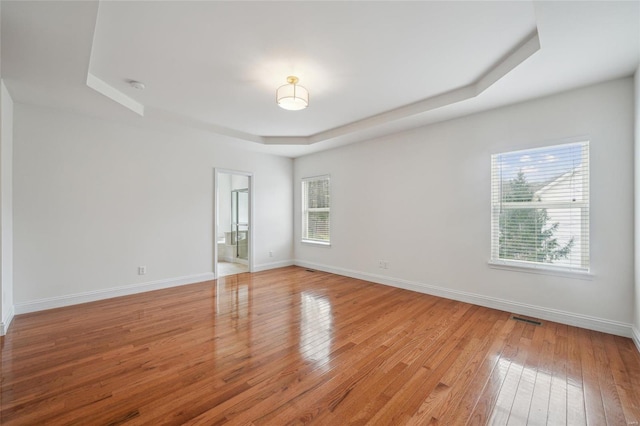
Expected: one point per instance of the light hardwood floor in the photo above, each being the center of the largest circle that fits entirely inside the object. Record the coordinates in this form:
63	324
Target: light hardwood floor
290	346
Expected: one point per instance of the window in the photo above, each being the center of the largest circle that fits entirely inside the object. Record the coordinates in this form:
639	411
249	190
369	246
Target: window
540	207
316	217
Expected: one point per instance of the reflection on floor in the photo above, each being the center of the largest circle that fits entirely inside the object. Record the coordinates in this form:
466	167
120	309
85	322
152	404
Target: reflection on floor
228	268
289	345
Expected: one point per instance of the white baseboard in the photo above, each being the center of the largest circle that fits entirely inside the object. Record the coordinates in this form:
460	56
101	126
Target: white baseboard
92	296
273	265
6	321
555	315
578	320
635	336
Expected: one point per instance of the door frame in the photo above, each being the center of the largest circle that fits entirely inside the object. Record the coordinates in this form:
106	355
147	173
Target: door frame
216	179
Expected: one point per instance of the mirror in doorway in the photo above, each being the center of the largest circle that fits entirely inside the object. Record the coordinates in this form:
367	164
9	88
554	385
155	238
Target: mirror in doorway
233	224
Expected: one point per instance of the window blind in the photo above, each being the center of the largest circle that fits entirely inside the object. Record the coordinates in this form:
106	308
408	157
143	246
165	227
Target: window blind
316	209
540	207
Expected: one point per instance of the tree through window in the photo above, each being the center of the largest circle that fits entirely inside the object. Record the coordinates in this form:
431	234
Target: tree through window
540	207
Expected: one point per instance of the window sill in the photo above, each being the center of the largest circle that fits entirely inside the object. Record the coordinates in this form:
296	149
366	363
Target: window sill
316	243
539	269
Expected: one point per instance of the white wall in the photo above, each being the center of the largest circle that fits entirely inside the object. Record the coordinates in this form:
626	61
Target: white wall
6	209
420	200
636	321
94	200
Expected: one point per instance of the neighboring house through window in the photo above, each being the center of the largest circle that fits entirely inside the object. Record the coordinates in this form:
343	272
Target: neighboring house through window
316	213
540	207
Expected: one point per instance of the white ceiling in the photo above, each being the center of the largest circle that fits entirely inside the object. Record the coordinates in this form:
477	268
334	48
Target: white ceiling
372	68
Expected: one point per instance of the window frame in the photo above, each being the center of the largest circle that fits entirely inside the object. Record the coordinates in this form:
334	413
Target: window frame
304	236
496	203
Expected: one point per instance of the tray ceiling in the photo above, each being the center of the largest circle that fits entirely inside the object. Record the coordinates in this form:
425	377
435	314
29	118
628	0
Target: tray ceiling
372	68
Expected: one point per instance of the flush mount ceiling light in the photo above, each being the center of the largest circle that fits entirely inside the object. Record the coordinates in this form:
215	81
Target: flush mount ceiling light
291	96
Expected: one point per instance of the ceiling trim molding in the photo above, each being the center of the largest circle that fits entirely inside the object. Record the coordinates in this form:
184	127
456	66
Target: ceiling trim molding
515	57
518	55
115	95
521	52
163	115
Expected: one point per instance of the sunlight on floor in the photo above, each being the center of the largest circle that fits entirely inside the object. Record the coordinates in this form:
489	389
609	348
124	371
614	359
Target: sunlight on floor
229	268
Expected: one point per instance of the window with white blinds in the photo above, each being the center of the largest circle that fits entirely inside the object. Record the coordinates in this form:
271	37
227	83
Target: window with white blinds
540	207
316	210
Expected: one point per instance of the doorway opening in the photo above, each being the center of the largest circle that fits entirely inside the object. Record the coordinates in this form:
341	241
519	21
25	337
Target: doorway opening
233	213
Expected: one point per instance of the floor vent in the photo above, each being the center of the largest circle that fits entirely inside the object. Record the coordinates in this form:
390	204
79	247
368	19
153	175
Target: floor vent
528	321
310	270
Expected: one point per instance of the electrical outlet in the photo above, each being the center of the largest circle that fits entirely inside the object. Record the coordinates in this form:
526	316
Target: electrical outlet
142	270
386	265
270	253
381	264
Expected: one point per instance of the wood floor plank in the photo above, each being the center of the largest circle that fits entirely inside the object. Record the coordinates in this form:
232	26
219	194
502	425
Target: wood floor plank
594	408
558	392
471	395
513	372
539	408
486	404
623	378
404	403
290	346
575	394
458	384
610	398
326	399
522	401
442	394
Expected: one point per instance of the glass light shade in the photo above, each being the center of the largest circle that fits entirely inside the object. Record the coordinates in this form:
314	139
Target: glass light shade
292	97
